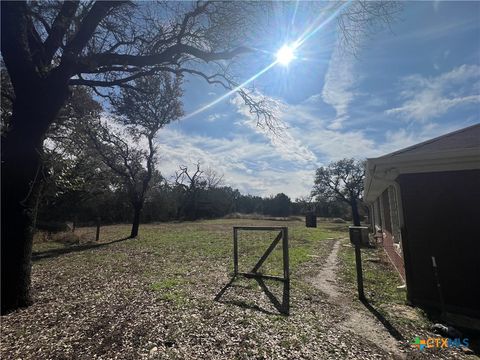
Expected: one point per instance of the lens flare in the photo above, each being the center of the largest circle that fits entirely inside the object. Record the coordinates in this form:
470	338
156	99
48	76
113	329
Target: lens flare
285	55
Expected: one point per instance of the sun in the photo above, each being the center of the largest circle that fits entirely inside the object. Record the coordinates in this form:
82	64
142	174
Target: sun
285	55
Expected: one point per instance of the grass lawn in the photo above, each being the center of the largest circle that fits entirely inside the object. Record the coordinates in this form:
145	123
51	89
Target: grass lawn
153	297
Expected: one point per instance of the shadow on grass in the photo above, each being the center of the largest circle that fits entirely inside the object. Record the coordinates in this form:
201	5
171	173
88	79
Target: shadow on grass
390	328
282	307
245	305
70	249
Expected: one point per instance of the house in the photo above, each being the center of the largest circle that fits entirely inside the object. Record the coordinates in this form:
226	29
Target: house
425	208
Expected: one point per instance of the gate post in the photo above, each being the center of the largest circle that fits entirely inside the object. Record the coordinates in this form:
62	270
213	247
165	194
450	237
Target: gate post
235	251
286	271
356	233
97	235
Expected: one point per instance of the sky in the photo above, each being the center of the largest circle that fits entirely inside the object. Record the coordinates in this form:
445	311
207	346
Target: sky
417	79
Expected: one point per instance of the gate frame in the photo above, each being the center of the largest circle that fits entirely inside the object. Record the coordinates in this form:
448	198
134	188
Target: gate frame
253	274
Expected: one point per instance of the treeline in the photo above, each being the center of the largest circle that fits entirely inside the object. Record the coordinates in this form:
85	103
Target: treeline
171	201
95	169
92	170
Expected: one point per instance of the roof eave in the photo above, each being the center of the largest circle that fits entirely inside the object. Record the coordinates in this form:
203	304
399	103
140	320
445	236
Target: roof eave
384	170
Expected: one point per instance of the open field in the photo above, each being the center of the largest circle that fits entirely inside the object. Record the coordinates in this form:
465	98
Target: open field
152	297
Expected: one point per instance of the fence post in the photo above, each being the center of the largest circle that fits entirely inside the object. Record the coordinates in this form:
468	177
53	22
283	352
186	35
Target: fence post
235	251
97	236
356	239
286	272
74	225
358	261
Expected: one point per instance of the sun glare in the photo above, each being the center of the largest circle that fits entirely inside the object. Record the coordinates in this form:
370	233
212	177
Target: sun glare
285	55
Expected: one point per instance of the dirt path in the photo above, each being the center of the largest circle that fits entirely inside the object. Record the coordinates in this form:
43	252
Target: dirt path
326	280
358	320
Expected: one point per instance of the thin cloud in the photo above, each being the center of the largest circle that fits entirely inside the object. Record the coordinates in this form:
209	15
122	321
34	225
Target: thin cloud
340	80
256	165
214	117
249	165
426	98
284	144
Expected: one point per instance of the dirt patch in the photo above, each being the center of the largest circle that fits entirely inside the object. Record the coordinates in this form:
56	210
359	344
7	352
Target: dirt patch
405	312
371	329
326	280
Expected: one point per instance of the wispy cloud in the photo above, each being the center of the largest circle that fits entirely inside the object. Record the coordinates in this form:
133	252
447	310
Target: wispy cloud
340	80
426	98
214	117
249	165
256	162
285	145
433	32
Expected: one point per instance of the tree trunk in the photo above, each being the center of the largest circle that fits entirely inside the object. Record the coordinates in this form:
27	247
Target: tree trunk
137	211
21	160
17	232
355	214
37	205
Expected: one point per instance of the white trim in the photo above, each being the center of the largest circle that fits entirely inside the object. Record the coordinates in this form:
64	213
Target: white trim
383	170
429	155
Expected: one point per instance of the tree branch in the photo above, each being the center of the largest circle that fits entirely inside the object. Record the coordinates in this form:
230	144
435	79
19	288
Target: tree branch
168	56
14	41
59	28
117	82
97	13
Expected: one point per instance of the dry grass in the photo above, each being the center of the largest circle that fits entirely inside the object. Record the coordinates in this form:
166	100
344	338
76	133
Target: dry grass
152	297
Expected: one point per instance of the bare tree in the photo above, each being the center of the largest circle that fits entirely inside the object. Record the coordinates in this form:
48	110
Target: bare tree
212	178
306	203
363	18
189	185
342	180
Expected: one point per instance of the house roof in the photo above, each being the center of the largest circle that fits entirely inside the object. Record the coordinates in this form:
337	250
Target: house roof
458	150
466	138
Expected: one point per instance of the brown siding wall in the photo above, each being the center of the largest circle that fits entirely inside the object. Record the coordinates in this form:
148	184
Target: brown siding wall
441	214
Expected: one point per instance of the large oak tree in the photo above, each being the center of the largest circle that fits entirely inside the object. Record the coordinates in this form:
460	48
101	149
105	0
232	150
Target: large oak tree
341	180
49	46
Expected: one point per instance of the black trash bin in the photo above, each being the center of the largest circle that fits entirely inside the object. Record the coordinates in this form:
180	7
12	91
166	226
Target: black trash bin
311	219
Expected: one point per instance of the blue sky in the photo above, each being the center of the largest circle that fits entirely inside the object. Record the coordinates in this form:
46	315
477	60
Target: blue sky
414	81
